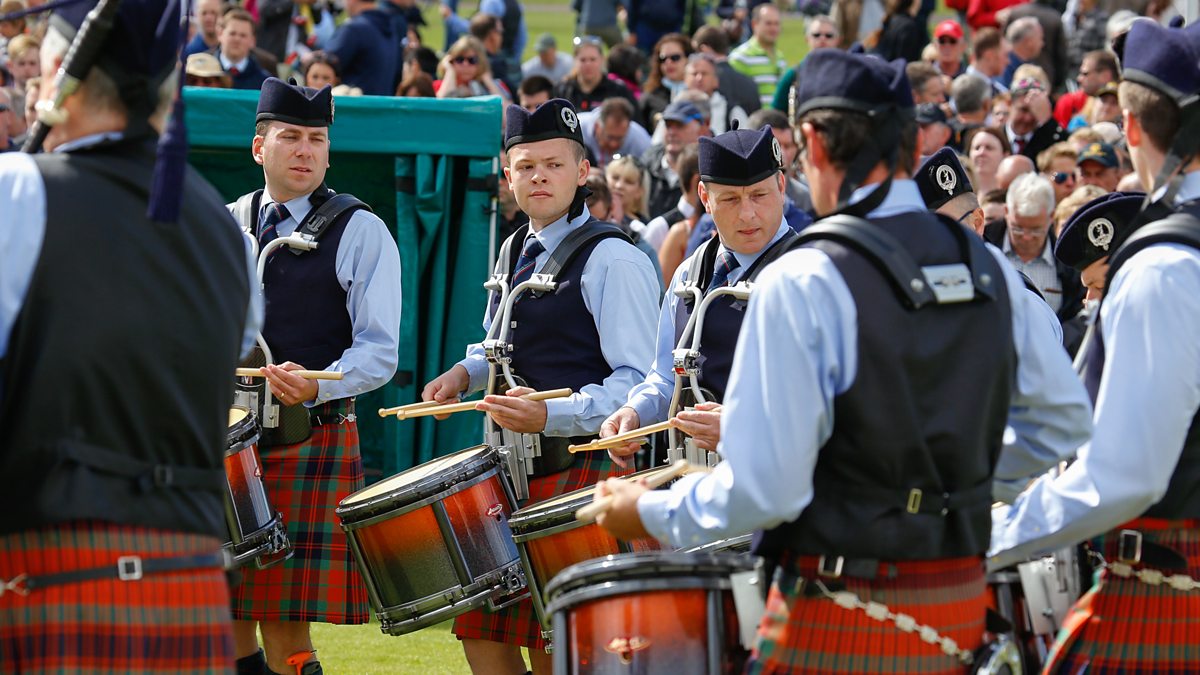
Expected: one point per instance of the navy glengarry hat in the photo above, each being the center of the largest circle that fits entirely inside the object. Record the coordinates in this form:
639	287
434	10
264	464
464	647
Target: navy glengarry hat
294	104
555	118
740	157
942	178
832	78
1165	59
1093	231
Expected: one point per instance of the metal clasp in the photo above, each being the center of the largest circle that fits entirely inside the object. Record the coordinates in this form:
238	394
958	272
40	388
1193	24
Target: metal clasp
824	570
686	362
129	568
914	500
15	585
1129	547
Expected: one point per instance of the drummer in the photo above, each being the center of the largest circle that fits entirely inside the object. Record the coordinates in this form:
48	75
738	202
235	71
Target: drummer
743	187
594	334
862	433
333	308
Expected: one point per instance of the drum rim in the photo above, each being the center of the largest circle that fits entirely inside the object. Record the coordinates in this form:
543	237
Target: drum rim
539	518
423	488
730	541
243	434
647	566
575	596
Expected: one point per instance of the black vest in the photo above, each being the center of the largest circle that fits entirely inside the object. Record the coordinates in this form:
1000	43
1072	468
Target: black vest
512	23
117	379
723	318
306	317
926	411
1182	499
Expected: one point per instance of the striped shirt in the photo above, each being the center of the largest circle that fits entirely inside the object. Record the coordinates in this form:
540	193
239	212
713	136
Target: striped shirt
755	62
1042	271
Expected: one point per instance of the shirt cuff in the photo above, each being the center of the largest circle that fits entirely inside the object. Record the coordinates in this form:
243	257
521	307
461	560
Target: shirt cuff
324	395
645	408
560	416
656	508
477	372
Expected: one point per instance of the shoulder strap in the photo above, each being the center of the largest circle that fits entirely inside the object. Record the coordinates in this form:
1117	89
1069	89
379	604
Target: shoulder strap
564	254
510	252
1029	285
1177	228
974	251
245	211
329	208
700	270
773	253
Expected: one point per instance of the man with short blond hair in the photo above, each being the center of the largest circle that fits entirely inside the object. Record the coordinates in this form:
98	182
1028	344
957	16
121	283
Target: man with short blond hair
235	44
759	57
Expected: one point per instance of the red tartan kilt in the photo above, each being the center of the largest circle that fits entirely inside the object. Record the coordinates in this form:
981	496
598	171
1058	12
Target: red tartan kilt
305	481
174	622
1129	627
518	625
800	634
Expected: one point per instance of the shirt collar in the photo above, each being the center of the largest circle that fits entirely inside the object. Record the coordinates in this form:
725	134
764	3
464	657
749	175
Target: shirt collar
685	207
745	260
230	65
903	197
298	208
1046	255
90	140
1190	187
553	234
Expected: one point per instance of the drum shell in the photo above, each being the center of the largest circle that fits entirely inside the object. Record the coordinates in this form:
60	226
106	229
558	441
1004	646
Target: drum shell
429	556
256	531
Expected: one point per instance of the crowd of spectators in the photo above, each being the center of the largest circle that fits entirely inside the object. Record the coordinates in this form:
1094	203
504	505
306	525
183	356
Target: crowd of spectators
1025	91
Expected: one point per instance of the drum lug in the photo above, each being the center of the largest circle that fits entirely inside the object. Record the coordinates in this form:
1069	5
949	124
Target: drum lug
271	416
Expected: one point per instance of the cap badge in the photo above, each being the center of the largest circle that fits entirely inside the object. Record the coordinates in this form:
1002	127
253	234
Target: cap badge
569	119
946	179
331	106
777	150
1100	233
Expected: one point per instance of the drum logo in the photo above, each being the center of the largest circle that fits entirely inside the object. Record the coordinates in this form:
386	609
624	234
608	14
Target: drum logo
1100	233
624	648
946	179
569	119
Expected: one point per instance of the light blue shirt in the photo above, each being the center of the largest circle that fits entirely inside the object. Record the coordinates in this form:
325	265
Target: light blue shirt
798	351
652	398
496	8
1149	393
23	228
620	290
635	143
368	269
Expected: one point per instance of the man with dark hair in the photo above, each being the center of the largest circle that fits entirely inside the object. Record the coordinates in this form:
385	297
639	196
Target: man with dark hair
739	90
600	321
207	22
548	62
926	82
612	131
989	57
536	90
235	42
1132	492
487	29
685	124
1097	69
865	463
367	48
1026	39
1031	127
336	307
110	540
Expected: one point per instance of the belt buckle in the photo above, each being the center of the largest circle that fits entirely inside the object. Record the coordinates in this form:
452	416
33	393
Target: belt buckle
824	570
129	568
914	501
1129	547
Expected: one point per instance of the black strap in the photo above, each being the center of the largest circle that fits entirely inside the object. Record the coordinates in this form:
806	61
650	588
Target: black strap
974	251
1177	228
591	231
146	475
1029	285
914	500
127	568
329	207
700	270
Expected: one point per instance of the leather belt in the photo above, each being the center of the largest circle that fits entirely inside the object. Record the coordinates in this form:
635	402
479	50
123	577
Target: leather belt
127	568
334	412
1133	549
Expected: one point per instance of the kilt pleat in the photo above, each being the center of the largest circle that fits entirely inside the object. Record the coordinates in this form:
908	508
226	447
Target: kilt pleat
518	624
319	583
1130	627
173	622
802	634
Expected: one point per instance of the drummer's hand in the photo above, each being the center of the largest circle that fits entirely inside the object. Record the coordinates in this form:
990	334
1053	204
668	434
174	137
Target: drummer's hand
622	519
703	424
288	388
446	387
625	419
515	413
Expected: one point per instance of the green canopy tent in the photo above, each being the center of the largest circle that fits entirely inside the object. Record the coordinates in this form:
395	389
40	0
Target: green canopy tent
428	168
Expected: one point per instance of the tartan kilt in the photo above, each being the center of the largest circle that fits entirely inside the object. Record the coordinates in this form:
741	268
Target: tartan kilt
518	624
170	622
1130	627
319	583
802	634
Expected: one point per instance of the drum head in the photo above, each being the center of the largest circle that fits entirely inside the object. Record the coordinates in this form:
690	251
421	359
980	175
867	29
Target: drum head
243	430
418	482
236	415
659	567
561	509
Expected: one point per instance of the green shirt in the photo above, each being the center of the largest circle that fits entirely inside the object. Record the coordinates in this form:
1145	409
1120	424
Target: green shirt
753	61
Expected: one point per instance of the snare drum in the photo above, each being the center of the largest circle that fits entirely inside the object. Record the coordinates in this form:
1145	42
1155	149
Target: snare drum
433	542
648	613
551	539
256	531
736	545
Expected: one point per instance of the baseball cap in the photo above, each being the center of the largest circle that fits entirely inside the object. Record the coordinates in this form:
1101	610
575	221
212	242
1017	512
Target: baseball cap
948	28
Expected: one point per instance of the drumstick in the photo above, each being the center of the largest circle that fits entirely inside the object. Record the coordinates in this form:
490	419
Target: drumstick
451	408
620	439
588	513
384	412
306	374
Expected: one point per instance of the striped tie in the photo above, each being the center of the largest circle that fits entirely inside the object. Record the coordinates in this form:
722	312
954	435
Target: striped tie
525	263
275	214
726	264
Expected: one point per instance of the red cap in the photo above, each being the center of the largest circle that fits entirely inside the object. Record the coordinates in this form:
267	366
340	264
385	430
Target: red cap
948	27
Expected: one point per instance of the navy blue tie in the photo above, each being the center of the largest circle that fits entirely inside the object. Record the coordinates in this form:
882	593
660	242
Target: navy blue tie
525	263
275	213
726	264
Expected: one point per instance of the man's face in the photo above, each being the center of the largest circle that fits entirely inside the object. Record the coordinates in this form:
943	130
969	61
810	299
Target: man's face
611	134
934	137
7	119
766	27
822	35
681	134
24	65
9	29
294	158
746	217
1022	119
701	76
992	61
1028	234
934	91
1106	110
1092	172
1093	277
209	12
587	60
1029	47
530	102
1061	173
1091	78
494	39
950	49
549	57
543	177
237	39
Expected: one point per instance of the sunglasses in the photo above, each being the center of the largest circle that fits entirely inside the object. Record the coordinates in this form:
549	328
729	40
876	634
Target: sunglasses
670	57
459	60
947	40
1059	177
827	36
4	108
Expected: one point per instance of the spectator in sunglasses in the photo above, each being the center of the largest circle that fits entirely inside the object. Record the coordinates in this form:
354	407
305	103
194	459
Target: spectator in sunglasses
465	65
822	33
1057	163
667	65
951	48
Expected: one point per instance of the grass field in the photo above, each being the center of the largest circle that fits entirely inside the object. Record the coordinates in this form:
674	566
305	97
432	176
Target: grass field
364	650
